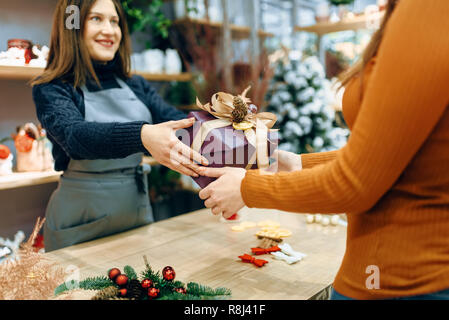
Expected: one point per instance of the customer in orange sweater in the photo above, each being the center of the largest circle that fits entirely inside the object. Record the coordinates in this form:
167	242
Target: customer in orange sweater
392	176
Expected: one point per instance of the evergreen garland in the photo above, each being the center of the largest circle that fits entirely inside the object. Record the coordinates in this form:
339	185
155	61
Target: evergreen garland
94	283
194	291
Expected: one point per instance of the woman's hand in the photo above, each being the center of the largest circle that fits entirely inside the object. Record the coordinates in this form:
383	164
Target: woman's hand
286	161
160	140
223	195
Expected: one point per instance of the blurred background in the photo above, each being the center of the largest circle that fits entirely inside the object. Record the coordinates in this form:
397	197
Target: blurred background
290	52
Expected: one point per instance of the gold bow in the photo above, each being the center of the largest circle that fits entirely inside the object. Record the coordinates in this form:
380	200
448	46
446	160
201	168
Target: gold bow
256	126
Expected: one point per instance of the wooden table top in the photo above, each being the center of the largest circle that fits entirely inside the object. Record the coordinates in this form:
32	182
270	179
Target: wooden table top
203	249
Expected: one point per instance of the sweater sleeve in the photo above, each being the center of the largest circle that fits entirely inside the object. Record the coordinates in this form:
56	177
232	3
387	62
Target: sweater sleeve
310	160
406	96
80	139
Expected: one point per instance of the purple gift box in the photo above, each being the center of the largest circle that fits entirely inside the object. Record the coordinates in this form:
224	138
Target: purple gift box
223	147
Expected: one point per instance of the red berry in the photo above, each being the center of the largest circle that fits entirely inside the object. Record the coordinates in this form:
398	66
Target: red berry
4	152
181	290
121	280
168	273
123	292
114	273
146	283
153	293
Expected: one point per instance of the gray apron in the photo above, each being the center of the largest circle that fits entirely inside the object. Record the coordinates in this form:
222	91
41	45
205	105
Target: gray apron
96	198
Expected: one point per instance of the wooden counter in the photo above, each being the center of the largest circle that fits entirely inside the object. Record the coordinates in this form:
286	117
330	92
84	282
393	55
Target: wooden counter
201	248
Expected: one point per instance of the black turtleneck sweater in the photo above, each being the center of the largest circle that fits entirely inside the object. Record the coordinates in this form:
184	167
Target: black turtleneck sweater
60	109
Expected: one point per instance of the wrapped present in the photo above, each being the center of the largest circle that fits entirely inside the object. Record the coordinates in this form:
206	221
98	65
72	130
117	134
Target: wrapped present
230	133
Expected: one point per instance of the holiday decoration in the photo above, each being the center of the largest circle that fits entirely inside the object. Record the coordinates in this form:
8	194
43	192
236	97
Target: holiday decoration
33	149
114	273
259	251
107	293
240	109
287	254
4	152
250	259
323	220
168	273
153	293
181	290
121	280
5	160
266	243
146	283
300	97
123	292
136	289
226	134
29	275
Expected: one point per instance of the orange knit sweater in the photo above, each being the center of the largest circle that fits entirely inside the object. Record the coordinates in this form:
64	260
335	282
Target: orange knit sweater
392	177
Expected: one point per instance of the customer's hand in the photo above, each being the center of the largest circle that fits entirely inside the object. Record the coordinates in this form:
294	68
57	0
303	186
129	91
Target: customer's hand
160	140
286	161
223	195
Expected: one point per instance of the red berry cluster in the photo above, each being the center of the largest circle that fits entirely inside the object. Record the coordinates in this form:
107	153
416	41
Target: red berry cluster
120	279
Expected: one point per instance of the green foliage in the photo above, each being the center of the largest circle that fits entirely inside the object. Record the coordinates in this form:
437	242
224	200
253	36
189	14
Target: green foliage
130	273
163	182
194	291
339	2
147	16
180	94
200	290
93	283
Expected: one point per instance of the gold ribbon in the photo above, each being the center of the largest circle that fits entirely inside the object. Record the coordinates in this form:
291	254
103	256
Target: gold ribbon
257	135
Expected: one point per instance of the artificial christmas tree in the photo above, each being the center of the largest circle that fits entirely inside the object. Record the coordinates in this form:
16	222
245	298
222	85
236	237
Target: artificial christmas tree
300	97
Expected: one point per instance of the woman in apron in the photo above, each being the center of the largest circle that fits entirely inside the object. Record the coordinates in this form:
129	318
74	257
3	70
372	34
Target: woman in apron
101	121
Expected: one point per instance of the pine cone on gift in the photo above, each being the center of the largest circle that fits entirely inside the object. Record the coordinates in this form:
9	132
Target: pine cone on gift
135	291
106	293
240	109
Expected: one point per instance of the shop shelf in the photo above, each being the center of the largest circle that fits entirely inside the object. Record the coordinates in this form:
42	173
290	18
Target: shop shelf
28	73
26	179
238	32
358	22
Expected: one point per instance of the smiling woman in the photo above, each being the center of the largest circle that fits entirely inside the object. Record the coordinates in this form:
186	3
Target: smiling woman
101	120
102	33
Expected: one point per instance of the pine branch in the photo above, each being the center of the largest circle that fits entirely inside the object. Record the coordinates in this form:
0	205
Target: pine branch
96	283
200	290
130	272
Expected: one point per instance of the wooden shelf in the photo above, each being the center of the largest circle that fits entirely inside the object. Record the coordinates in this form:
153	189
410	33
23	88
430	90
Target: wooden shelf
358	22
28	73
238	32
26	179
192	107
183	77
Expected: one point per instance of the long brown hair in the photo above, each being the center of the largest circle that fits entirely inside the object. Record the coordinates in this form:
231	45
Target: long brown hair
68	58
371	49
